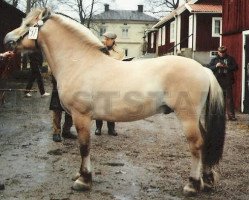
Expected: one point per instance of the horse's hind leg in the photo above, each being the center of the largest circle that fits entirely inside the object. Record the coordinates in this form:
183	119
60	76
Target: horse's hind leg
210	177
84	178
194	137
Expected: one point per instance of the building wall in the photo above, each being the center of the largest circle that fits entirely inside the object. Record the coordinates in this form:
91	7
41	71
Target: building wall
168	46
234	46
235	19
10	18
184	29
152	42
204	39
235	16
8	22
133	42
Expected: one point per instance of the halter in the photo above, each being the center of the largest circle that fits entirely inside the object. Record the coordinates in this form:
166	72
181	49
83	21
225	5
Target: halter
39	24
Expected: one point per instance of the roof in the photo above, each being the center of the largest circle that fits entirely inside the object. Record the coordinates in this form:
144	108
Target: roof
192	7
128	15
204	8
170	16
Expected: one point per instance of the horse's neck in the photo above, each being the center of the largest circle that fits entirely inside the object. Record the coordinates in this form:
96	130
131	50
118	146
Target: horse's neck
62	48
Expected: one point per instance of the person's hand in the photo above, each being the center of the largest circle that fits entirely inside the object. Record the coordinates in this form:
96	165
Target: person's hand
7	54
220	65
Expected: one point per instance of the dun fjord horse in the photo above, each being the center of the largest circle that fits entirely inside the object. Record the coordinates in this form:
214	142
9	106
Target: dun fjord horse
93	85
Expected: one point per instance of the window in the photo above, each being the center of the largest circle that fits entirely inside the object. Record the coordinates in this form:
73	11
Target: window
172	31
102	30
216	26
125	32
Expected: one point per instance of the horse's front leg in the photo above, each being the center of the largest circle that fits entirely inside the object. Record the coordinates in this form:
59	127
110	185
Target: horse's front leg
83	181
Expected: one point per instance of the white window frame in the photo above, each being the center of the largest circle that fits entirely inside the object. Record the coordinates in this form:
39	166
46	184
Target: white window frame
172	31
214	19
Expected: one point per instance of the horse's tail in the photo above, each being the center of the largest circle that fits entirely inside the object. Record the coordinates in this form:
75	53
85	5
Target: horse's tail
214	135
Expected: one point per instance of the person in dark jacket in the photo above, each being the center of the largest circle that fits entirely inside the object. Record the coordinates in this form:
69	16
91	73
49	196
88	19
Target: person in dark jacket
57	111
223	67
36	60
118	54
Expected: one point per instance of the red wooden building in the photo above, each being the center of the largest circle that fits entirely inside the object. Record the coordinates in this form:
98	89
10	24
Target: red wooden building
235	35
193	30
10	18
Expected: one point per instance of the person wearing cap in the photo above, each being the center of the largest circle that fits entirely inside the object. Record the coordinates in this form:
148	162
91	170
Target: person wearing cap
223	67
118	54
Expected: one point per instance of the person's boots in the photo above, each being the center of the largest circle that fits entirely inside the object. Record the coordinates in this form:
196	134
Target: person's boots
2	186
66	133
111	128
56	137
99	124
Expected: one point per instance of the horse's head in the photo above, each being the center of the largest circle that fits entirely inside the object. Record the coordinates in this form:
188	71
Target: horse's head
18	39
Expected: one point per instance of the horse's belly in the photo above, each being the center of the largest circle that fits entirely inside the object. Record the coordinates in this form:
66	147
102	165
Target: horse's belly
125	110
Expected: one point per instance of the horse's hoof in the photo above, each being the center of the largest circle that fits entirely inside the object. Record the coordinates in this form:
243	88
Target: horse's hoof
210	180
76	176
80	185
189	191
193	187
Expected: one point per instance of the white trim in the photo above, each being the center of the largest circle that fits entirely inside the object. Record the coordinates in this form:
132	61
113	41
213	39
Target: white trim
190	31
178	32
163	35
243	70
194	31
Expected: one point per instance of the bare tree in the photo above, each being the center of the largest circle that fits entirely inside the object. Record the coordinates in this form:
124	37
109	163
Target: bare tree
83	10
13	2
160	7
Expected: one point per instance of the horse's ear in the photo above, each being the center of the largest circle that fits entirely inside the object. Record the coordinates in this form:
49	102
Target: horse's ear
45	13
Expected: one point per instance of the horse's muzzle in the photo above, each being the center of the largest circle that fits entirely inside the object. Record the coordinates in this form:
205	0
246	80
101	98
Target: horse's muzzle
10	46
10	43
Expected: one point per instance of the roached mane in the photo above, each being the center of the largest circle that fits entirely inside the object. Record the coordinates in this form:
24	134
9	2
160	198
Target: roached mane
84	34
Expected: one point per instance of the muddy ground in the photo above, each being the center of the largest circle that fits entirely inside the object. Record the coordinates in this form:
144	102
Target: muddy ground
149	159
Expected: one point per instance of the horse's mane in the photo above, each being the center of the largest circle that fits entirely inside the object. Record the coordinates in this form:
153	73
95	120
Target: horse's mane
84	34
79	30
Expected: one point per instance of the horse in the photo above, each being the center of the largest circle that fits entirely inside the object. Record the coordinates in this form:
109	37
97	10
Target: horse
92	85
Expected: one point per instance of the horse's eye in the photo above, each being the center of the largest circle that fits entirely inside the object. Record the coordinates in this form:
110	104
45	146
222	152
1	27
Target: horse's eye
28	25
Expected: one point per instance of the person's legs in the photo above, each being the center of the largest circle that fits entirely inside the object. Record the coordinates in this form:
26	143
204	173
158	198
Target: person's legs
230	104
57	125
68	123
40	83
111	128
30	83
99	124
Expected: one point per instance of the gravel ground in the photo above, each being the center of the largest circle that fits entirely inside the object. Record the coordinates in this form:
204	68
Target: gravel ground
149	159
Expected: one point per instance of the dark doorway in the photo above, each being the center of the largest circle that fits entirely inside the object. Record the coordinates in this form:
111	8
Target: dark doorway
246	99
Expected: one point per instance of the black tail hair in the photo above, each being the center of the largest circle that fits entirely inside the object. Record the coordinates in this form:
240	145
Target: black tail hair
214	135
